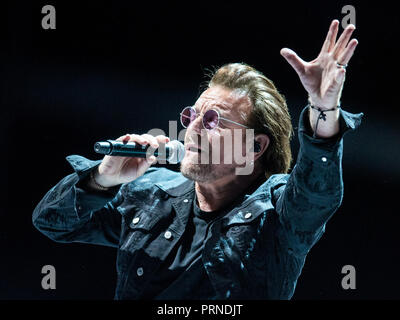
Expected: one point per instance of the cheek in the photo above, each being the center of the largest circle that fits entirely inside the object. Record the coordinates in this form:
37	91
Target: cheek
222	146
215	142
188	133
232	151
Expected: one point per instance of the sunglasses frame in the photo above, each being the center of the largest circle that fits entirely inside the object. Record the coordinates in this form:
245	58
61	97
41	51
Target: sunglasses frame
202	121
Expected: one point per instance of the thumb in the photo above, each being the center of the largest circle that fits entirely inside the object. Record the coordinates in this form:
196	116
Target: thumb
294	60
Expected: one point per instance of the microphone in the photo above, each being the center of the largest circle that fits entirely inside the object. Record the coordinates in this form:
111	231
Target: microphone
173	151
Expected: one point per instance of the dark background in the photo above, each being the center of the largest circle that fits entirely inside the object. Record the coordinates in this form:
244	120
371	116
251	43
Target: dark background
116	67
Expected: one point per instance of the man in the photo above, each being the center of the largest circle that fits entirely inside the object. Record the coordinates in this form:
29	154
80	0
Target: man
208	232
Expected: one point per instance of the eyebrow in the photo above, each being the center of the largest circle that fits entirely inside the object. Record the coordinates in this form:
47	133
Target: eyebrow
218	106
221	107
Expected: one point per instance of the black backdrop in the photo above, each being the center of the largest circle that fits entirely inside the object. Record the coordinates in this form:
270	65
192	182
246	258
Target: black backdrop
115	67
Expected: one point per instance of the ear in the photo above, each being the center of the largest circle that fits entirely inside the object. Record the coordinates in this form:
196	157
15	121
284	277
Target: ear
262	141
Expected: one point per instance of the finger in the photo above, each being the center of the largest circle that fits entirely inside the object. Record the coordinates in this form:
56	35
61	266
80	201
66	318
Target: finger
124	137
343	40
162	139
331	37
133	138
294	60
153	141
151	160
348	52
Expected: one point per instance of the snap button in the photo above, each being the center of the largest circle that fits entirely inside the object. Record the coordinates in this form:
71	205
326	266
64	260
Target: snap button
135	220
139	271
167	234
324	159
186	200
248	215
80	208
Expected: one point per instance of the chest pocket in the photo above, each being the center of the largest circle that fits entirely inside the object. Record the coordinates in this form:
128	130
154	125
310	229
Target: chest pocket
244	225
141	211
137	228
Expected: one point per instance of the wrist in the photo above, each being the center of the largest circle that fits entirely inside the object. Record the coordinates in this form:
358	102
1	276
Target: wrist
94	183
324	122
323	105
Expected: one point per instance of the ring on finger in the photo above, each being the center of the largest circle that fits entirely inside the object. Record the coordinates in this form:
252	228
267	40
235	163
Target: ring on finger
339	65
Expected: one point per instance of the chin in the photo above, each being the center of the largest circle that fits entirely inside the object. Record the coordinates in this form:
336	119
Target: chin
204	172
197	172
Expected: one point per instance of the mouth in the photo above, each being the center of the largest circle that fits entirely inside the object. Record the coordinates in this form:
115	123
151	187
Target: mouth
193	148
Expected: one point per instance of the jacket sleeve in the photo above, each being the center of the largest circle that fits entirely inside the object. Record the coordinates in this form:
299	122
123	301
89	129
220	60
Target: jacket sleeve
314	190
70	213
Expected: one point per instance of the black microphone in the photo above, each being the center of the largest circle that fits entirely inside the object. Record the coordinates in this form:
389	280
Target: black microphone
173	151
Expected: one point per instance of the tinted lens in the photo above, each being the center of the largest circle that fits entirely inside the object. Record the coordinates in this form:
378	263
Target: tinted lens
187	116
210	119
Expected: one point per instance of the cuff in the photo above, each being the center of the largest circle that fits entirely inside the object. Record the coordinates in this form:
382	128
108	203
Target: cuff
81	165
323	149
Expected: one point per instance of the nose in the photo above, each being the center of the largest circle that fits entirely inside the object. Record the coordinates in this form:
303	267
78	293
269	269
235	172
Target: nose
197	124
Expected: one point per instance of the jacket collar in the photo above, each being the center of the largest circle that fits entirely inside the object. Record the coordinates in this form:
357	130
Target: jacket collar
253	203
176	187
181	185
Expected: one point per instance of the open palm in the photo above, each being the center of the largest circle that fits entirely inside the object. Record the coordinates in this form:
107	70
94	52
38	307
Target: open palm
324	76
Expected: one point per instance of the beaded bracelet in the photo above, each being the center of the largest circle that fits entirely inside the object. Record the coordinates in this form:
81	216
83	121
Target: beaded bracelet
322	115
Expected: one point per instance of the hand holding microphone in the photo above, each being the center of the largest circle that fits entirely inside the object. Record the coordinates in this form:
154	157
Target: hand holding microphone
172	152
126	157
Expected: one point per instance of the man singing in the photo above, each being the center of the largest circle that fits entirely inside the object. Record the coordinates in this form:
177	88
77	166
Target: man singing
208	232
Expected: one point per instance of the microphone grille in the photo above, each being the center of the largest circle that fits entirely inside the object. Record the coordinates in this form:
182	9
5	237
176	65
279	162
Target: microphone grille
177	151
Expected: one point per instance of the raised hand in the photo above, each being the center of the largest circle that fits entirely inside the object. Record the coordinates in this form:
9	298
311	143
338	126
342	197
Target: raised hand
324	76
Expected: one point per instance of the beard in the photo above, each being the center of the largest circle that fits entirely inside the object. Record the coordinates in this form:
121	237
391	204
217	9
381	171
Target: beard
199	166
204	172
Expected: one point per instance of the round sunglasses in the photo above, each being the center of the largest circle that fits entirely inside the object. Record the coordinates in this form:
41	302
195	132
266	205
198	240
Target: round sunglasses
210	119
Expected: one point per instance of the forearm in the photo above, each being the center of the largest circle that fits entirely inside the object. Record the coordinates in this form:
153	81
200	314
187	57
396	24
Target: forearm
71	211
315	187
66	208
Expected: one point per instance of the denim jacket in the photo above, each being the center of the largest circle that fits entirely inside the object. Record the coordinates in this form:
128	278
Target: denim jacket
256	251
